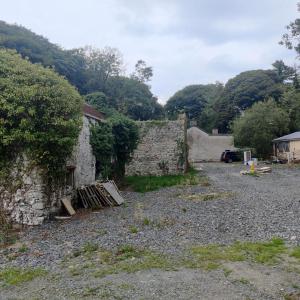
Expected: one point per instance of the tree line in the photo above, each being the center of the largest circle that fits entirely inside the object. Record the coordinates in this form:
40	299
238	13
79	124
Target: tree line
256	105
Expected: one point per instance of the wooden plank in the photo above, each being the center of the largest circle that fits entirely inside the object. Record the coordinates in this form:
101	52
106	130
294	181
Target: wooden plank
67	203
111	189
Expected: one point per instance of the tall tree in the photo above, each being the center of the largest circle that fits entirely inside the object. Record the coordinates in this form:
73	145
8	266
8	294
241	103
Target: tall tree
242	91
192	100
260	124
101	65
291	39
142	73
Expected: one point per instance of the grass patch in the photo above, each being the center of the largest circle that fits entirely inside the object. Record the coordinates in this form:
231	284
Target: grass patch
88	248
133	229
146	221
207	197
296	252
259	252
130	260
144	184
14	276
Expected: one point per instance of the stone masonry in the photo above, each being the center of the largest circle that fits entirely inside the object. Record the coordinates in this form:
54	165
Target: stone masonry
31	202
161	149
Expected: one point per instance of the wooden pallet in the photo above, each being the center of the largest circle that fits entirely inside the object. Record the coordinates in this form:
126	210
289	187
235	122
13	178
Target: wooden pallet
100	194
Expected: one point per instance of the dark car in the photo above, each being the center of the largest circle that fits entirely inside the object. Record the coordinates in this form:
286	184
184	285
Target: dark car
230	156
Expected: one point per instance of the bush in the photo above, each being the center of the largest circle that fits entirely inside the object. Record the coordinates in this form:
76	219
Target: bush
261	123
40	114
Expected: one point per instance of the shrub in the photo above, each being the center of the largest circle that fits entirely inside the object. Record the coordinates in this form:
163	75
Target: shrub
40	114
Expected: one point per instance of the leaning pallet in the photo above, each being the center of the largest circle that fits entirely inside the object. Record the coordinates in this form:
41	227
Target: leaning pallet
100	194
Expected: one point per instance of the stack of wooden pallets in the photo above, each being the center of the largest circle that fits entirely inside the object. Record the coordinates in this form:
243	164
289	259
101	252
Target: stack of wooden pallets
100	194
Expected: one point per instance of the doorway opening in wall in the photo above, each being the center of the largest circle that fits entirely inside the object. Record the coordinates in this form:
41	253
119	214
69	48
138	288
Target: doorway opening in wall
70	178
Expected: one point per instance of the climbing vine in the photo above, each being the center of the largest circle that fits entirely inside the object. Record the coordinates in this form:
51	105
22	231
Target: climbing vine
113	144
40	116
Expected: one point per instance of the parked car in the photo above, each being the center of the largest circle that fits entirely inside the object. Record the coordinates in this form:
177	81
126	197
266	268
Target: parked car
230	156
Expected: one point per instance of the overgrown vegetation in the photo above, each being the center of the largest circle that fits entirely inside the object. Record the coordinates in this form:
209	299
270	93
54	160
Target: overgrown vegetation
144	184
113	144
261	123
90	70
40	116
130	259
14	276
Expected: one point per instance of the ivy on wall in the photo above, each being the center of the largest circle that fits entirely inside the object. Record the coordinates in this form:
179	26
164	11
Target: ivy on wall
40	115
113	143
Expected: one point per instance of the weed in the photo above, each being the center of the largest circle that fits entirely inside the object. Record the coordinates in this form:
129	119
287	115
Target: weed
133	229
126	286
295	296
128	252
146	261
74	271
23	249
296	252
260	252
244	281
184	209
207	197
146	222
14	276
89	247
227	272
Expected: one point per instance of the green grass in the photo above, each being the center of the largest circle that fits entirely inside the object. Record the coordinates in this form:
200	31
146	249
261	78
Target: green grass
296	252
14	276
144	261
259	252
133	229
129	259
144	184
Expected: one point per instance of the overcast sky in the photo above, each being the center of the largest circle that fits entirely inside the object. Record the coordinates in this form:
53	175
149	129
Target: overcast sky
185	41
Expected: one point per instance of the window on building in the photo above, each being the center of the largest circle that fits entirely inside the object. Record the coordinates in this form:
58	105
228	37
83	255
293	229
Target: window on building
283	147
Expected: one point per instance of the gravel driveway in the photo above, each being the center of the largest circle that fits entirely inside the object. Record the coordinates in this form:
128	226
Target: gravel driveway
245	208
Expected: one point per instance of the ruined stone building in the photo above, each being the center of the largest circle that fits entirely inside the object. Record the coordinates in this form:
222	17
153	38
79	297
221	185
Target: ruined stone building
32	202
161	149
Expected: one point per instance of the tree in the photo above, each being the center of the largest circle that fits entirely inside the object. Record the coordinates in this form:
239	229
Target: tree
290	102
133	99
101	102
142	73
101	65
291	39
196	101
260	124
40	113
242	91
39	50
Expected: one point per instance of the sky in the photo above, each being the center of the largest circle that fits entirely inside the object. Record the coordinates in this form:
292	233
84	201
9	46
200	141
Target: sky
185	41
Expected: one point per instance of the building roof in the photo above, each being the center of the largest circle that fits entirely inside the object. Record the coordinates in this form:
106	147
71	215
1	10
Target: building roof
91	112
290	137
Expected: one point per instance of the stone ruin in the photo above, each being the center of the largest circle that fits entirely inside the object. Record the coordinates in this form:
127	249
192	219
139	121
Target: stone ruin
32	202
162	148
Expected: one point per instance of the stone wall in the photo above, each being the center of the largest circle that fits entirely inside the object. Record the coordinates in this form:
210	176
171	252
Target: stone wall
161	149
205	147
30	201
83	159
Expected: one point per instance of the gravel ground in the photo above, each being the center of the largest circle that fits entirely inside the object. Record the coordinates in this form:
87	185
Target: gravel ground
254	209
